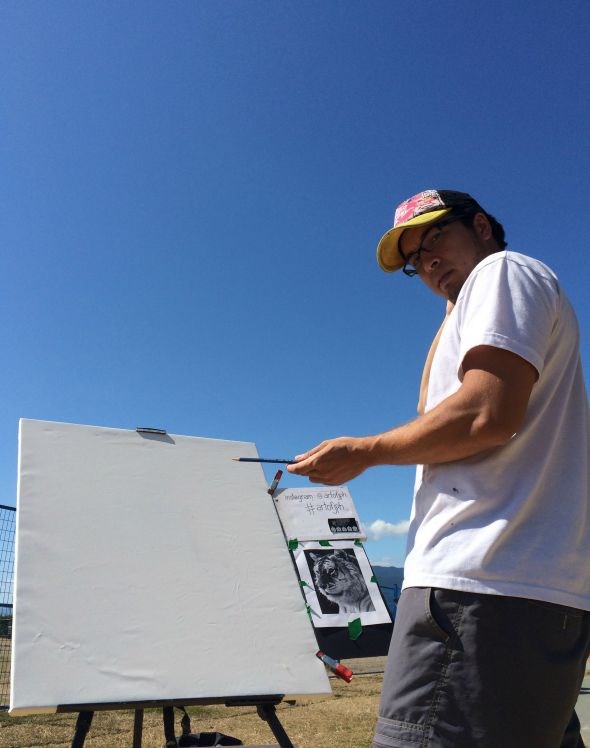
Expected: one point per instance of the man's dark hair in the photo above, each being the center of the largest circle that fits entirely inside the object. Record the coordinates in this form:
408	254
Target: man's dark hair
497	228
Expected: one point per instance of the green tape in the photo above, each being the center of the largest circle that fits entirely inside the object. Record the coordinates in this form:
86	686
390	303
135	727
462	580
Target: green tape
304	584
309	612
358	542
374	579
355	629
326	543
293	544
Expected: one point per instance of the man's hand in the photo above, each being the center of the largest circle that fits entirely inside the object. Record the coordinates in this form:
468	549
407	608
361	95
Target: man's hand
334	461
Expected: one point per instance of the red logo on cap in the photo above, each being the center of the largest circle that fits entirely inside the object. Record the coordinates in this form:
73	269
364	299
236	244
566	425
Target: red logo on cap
415	206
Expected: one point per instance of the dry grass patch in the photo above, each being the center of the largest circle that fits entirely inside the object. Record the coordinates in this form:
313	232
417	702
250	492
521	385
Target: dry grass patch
346	720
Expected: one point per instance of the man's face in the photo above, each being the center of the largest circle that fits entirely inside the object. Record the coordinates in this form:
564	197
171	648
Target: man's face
453	251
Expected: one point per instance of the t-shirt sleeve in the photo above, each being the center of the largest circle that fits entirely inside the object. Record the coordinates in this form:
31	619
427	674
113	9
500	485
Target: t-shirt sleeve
508	304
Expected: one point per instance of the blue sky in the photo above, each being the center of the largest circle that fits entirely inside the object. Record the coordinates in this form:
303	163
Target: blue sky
192	194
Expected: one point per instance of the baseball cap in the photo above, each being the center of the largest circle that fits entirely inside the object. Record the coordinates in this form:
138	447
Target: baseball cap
421	209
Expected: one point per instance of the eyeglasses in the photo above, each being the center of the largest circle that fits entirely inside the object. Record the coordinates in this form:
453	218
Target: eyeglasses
413	262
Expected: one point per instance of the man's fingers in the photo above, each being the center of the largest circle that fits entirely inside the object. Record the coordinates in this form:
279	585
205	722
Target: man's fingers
304	461
309	453
301	467
328	463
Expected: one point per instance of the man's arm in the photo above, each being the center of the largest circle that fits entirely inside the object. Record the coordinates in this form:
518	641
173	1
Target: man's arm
485	412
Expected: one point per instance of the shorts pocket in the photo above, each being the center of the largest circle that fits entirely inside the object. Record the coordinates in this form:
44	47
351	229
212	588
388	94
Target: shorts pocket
436	616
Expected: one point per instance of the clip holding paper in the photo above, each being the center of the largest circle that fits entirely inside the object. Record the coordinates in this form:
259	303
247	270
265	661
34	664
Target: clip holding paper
336	667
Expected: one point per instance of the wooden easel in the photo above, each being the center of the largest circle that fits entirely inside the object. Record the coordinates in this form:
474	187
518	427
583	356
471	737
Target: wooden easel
266	709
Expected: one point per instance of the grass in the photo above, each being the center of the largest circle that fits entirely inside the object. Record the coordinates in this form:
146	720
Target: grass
346	719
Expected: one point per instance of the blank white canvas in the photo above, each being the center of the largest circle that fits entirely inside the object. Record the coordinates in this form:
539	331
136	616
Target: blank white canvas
150	569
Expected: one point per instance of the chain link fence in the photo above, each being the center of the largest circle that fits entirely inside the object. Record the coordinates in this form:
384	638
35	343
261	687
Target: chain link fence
7	528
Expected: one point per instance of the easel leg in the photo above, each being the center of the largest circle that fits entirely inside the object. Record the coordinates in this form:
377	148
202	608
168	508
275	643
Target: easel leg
268	713
137	728
168	714
82	726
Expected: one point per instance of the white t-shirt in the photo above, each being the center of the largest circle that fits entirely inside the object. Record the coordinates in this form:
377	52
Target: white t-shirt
513	520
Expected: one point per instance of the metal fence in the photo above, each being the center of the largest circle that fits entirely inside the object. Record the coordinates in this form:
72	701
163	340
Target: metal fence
7	527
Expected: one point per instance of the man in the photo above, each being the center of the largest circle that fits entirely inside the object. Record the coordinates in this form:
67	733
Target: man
492	631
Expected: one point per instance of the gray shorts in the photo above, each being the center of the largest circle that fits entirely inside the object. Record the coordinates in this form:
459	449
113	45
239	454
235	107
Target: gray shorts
482	671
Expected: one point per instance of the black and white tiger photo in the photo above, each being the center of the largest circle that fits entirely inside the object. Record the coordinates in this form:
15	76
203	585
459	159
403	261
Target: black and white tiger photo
339	582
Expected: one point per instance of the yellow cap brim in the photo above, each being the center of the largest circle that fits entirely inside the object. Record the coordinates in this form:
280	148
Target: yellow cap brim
388	255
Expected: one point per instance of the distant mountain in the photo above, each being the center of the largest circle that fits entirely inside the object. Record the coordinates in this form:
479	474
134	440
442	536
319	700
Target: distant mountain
389	579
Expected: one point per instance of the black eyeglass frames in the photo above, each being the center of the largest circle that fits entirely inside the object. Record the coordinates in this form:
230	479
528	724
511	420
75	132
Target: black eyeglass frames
413	262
